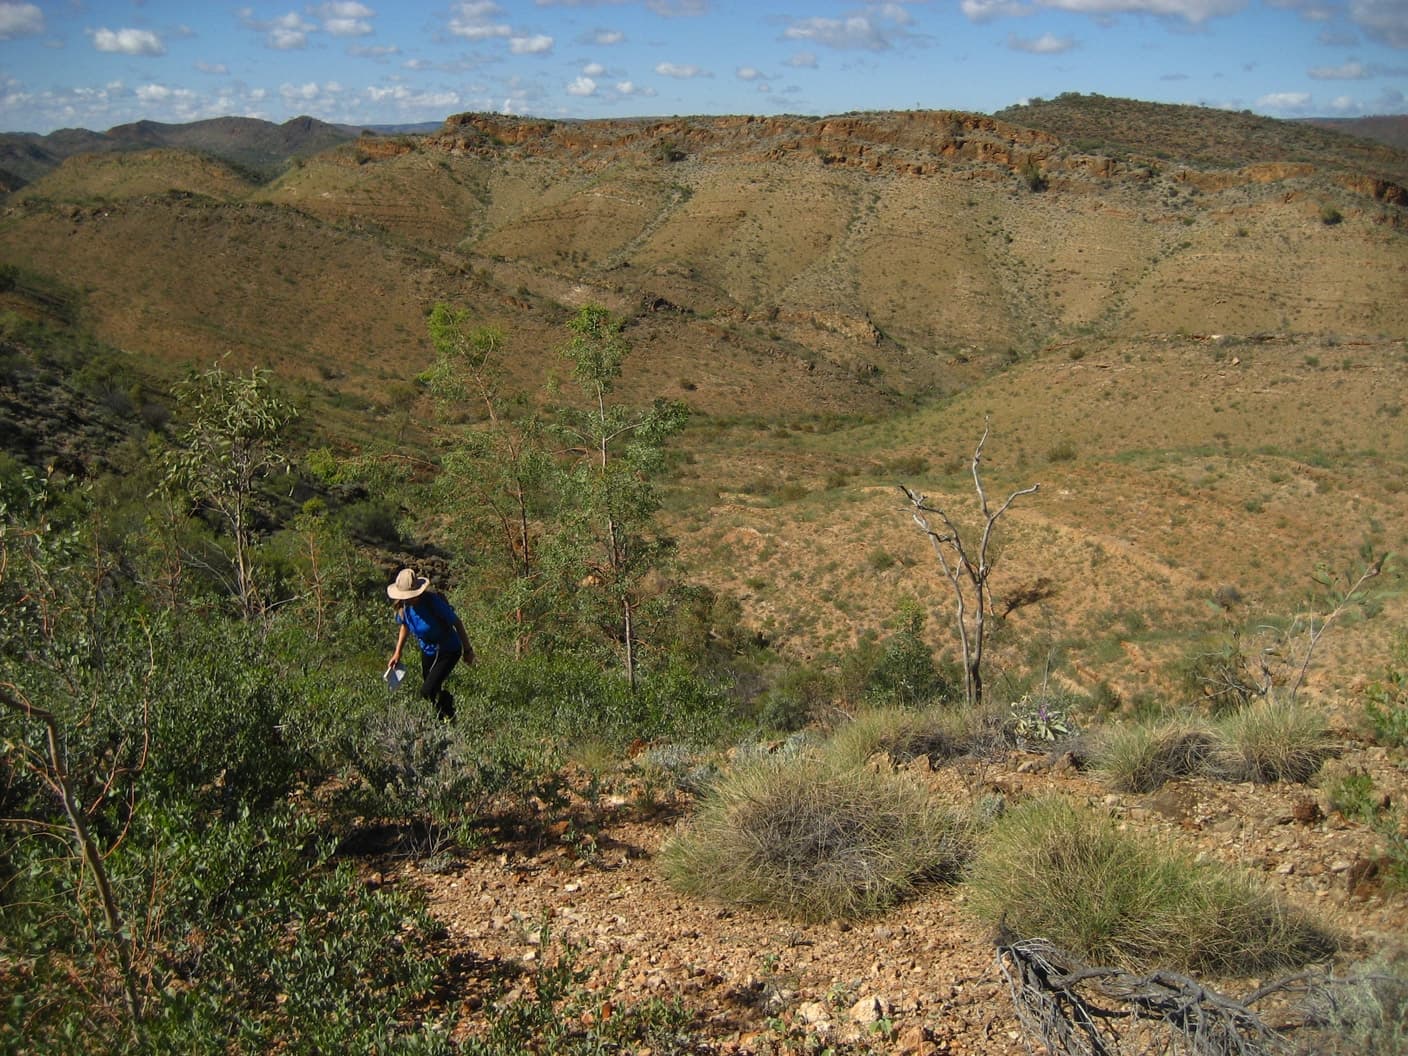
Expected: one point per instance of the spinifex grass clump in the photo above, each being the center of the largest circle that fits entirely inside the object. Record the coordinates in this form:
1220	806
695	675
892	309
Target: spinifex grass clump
1273	740
814	840
1143	756
1051	870
902	734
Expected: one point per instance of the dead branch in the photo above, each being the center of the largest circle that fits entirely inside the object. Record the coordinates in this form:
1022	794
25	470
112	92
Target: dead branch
1077	1010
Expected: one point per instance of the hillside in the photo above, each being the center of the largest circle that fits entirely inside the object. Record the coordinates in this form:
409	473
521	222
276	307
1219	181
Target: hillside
1188	323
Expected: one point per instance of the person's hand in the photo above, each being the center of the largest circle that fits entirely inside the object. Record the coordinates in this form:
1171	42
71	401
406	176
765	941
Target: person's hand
395	659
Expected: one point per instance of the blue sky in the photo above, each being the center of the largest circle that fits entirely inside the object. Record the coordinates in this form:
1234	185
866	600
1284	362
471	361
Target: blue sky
98	63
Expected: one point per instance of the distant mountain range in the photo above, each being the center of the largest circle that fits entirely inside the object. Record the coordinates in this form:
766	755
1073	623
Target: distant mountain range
265	149
261	147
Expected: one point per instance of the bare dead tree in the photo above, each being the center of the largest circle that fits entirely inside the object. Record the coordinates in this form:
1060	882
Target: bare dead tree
967	567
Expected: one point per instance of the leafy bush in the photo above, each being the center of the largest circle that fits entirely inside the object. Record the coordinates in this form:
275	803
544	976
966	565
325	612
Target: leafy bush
1386	700
813	840
1048	869
248	940
1273	740
1041	717
900	670
1143	756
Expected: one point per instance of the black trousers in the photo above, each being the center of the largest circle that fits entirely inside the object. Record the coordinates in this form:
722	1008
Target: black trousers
434	669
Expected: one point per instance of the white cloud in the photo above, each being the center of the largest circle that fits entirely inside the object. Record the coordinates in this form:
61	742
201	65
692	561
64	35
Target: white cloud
680	72
987	10
607	37
1194	11
678	8
593	69
160	93
802	60
1046	44
1310	10
631	88
748	73
373	51
345	18
534	45
218	68
856	31
20	20
476	20
1350	71
1285	102
128	41
286	33
417	64
408	101
582	87
1385	20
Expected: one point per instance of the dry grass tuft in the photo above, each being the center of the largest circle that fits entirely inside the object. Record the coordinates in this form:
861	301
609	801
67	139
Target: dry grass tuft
1273	740
1050	870
1142	757
814	841
900	734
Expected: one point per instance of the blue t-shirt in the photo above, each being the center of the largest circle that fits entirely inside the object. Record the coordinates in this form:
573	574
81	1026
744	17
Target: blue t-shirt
431	619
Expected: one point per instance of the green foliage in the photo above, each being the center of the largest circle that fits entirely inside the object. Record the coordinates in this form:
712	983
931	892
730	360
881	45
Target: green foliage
1032	177
1217	673
251	941
1041	717
232	439
1386	700
1329	215
900	669
566	698
813	840
1363	1011
605	546
1067	874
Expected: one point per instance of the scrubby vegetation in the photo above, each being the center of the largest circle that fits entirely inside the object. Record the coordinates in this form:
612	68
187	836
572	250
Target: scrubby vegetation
197	751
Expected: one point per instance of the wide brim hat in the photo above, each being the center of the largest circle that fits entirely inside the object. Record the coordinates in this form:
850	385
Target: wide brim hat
408	585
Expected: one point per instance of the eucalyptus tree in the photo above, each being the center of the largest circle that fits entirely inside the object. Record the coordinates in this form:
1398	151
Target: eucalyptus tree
232	440
606	542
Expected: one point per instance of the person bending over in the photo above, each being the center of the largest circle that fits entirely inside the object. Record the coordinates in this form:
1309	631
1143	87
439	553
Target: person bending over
443	641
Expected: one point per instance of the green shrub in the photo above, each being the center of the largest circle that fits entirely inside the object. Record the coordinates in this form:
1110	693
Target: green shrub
1273	740
1386	700
901	669
814	841
249	940
1141	757
1049	869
